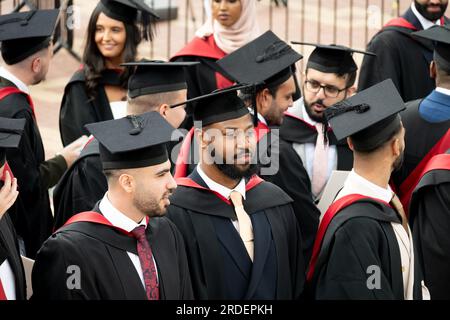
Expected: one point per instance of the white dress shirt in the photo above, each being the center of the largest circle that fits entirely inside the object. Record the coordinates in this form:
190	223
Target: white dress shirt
356	184
17	82
222	190
118	109
118	219
426	24
8	280
306	151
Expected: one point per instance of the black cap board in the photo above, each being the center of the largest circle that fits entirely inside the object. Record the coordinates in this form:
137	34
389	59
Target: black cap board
24	33
130	11
133	141
371	114
332	58
267	59
218	106
152	77
441	37
10	134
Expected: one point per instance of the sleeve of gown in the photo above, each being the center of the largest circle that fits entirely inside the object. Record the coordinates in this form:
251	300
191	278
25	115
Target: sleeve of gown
57	273
347	275
72	115
293	179
384	66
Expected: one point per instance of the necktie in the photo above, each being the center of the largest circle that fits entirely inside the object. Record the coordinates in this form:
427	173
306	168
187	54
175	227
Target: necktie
395	202
147	263
320	165
245	224
2	292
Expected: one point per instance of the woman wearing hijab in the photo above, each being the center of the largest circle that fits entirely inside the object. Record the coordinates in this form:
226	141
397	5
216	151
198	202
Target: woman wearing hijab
97	92
232	24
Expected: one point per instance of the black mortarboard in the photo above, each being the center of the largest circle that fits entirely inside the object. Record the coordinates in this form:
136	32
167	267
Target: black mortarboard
152	77
371	115
10	133
130	11
332	58
267	61
134	141
24	33
221	105
441	36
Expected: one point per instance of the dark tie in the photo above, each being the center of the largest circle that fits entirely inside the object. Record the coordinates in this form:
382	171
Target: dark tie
147	263
2	292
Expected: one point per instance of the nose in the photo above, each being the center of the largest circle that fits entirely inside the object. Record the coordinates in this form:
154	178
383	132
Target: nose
321	93
172	184
223	5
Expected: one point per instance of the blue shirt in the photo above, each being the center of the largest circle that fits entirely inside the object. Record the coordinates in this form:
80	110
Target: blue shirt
435	107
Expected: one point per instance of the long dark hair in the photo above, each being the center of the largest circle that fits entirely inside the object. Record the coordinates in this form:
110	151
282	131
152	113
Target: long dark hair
94	62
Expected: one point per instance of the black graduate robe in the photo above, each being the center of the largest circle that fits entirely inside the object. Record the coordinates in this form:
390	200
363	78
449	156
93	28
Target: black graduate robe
420	137
78	109
358	238
81	187
292	178
219	265
107	272
396	53
430	223
31	213
9	250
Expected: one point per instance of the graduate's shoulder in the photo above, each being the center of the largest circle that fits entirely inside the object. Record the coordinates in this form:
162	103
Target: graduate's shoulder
15	106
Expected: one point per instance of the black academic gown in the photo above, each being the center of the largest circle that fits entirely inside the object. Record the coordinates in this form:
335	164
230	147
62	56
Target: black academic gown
396	52
81	187
219	265
292	178
31	213
359	237
107	272
78	109
9	250
430	223
420	137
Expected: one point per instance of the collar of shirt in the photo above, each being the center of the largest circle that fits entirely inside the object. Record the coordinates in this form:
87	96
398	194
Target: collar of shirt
4	73
260	117
117	218
220	189
443	91
426	24
360	185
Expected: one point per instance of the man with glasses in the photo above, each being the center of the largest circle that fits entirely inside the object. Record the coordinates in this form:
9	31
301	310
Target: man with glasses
306	154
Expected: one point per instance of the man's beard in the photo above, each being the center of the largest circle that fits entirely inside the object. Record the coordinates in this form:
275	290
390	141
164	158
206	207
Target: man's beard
235	173
150	207
398	163
308	108
422	8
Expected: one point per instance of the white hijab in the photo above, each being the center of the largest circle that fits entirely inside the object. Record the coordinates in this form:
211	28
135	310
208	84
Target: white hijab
239	34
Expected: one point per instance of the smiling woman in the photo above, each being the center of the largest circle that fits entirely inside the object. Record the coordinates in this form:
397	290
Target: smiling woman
97	92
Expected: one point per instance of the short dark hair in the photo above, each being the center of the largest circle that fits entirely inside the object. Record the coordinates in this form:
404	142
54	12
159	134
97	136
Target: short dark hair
359	140
246	94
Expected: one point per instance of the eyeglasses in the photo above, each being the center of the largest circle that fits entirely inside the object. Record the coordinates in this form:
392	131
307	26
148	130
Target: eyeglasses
329	91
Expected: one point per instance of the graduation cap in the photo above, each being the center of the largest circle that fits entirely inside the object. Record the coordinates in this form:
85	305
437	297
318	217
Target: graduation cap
441	37
369	117
218	106
332	58
10	134
24	33
152	77
267	61
130	11
134	141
